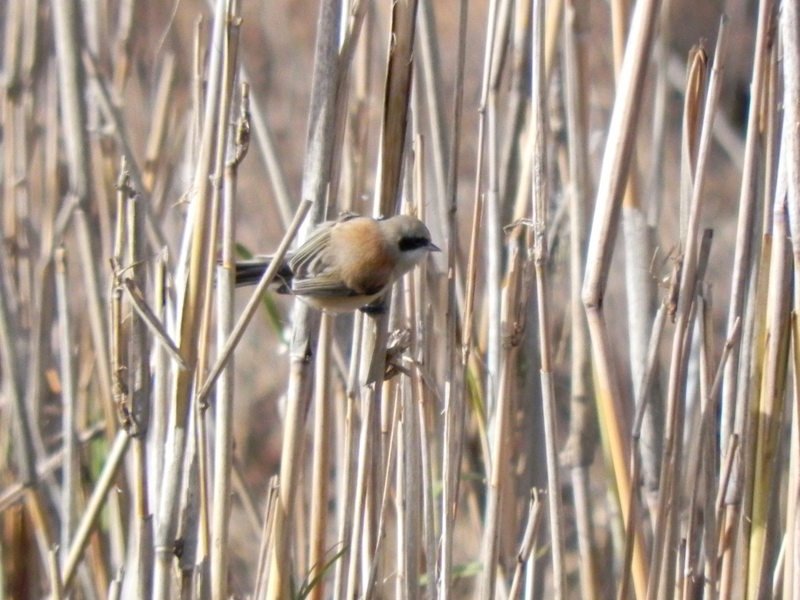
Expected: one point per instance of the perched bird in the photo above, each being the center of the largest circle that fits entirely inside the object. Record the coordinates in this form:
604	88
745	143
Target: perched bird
346	264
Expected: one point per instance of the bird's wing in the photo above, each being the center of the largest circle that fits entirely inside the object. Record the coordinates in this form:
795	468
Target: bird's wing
308	260
322	285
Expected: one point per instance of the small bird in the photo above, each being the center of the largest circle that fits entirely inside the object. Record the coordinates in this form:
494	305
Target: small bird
348	263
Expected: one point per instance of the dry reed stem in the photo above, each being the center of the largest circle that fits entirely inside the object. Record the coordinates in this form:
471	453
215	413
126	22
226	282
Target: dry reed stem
148	316
769	411
321	465
526	546
156	137
224	137
98	498
393	489
108	107
316	175
138	387
691	271
14	493
347	51
497	468
790	38
479	197
366	448
581	437
733	411
57	591
223	432
68	485
255	299
192	287
613	176
539	202
417	304
430	65
454	401
744	232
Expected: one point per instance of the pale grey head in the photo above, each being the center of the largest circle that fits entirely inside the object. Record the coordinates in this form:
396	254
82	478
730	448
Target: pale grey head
411	239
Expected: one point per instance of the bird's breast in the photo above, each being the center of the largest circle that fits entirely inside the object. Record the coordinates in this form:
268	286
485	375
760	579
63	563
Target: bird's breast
364	259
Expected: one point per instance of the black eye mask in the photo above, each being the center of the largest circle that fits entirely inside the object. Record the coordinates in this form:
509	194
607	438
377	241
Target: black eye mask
412	243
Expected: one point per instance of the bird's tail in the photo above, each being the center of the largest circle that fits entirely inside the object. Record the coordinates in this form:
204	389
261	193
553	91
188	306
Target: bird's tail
249	272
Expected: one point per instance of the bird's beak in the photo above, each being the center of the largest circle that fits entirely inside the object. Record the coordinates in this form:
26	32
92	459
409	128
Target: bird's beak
433	247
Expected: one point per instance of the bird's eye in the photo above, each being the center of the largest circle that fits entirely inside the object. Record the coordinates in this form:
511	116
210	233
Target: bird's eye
412	243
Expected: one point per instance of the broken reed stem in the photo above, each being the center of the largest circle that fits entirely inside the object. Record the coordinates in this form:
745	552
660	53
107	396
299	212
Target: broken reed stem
527	544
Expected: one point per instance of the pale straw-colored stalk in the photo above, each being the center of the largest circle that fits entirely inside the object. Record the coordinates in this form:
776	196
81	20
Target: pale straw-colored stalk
611	186
454	400
68	479
492	247
224	141
139	390
393	133
539	201
745	236
526	547
734	411
264	558
581	439
14	493
73	116
666	517
316	176
107	107
96	502
190	292
768	411
158	129
479	194
221	500
790	37
430	66
323	423
417	305
499	445
57	591
639	286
